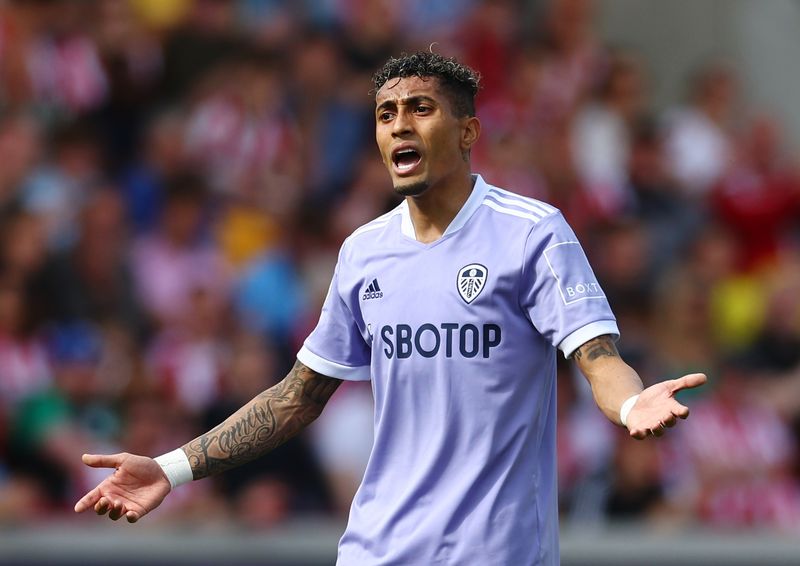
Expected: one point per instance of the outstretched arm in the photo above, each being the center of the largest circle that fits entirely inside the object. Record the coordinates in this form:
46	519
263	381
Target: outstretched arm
139	484
614	382
263	424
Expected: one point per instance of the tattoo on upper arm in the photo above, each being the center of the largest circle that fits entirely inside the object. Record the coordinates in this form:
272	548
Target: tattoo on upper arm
602	346
267	421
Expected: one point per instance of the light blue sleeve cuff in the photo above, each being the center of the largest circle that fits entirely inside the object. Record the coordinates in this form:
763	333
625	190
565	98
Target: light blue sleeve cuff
332	369
585	333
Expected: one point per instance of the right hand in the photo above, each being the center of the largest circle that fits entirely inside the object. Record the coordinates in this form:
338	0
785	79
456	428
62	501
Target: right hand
137	486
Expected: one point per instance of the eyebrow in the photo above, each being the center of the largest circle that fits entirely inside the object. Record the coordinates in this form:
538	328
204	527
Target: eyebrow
405	101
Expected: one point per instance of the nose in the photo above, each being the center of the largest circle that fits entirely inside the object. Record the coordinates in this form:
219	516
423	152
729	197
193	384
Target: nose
402	123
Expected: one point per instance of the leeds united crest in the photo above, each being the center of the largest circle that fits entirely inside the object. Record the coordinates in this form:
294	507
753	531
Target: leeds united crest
471	280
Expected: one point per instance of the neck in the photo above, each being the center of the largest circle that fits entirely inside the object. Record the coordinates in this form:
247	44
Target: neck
434	210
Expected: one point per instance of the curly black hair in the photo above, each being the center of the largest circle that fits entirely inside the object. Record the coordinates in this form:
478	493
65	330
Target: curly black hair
460	82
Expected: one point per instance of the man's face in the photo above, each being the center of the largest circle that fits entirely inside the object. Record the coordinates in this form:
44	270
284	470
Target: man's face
421	142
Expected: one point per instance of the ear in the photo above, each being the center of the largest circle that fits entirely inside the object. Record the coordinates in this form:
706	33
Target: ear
470	132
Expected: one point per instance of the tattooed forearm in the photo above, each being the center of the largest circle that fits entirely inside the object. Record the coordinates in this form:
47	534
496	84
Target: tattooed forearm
597	348
612	380
266	422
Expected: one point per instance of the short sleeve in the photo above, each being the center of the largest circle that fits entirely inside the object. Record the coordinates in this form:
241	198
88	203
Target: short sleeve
560	292
336	347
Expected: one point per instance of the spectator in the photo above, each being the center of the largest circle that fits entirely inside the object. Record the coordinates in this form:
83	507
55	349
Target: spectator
700	138
25	367
132	62
54	426
738	471
759	197
667	214
56	189
63	73
574	60
334	114
204	35
23	245
241	135
267	491
175	260
21	145
187	358
601	136
161	156
92	280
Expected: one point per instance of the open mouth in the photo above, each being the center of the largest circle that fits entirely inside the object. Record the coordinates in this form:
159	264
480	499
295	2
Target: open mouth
406	159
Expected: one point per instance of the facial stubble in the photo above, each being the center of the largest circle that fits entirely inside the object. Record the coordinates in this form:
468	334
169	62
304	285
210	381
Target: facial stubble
412	190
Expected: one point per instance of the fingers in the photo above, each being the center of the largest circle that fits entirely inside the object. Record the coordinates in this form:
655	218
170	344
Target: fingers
103	460
102	506
681	411
676	410
688	382
87	501
116	511
657	430
662	426
641	434
92	498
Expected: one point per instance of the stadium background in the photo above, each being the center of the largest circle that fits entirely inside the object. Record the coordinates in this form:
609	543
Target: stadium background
176	177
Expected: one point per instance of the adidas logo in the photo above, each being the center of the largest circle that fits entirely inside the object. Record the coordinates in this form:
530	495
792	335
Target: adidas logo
373	291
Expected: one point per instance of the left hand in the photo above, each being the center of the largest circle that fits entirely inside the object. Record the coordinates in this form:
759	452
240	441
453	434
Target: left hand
656	409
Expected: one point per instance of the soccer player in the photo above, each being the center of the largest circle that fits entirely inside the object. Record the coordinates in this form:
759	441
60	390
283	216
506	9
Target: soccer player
454	305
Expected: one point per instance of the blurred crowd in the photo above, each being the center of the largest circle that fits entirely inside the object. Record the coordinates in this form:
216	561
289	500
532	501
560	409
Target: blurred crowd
176	178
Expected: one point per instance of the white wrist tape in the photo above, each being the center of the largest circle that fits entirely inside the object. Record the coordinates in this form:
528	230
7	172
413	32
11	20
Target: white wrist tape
626	408
176	466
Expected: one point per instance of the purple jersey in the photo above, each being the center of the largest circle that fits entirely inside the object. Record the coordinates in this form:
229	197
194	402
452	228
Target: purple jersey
459	338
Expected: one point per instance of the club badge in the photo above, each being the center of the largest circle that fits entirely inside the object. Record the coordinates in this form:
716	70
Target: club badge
471	280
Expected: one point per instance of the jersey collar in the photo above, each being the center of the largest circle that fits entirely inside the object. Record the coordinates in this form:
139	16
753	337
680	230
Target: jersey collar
479	190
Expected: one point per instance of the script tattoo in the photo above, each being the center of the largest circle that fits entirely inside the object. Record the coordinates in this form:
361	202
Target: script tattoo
597	348
266	422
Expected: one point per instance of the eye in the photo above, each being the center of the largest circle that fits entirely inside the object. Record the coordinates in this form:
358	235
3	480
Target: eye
385	116
422	109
